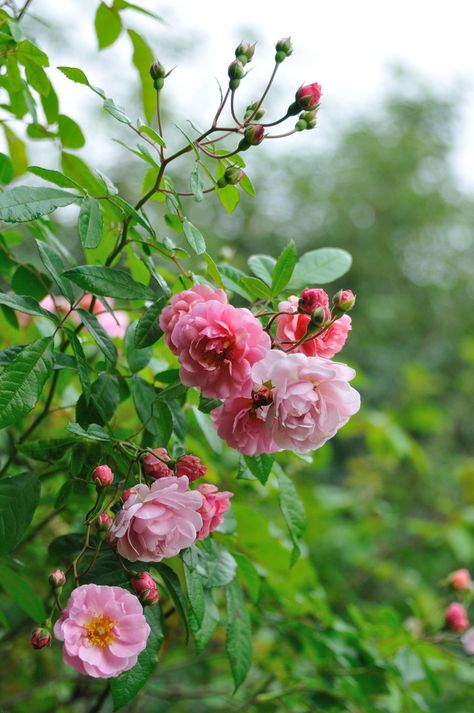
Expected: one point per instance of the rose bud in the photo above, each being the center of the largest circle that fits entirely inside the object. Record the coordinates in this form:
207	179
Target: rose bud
344	300
254	113
235	73
308	97
57	579
301	125
309	118
155	465
262	396
318	317
158	74
312	297
283	49
253	136
191	467
456	617
231	177
244	52
103	523
145	588
126	494
460	579
102	475
40	638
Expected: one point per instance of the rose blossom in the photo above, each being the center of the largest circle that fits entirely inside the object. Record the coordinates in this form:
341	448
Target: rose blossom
217	345
181	305
190	466
157	521
154	466
103	629
243	426
312	398
292	327
215	504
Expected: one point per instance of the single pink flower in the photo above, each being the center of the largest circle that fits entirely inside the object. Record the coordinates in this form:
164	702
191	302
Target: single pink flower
456	617
158	521
215	503
292	327
191	467
103	629
460	579
312	398
217	346
181	305
243	426
154	466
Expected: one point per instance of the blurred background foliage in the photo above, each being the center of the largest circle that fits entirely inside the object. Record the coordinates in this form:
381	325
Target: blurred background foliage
355	624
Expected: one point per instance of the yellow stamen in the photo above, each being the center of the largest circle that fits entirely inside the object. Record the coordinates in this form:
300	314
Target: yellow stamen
100	630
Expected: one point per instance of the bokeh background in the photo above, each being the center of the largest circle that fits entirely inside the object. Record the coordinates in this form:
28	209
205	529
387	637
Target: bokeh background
388	175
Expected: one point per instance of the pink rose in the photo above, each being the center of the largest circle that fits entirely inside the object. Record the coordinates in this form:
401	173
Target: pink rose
291	328
243	426
456	617
191	467
154	465
307	97
158	521
314	297
217	345
215	503
312	398
181	305
103	629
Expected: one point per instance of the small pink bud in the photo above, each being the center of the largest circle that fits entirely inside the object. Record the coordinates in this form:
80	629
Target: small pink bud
456	617
145	588
155	465
40	638
254	135
190	466
57	578
313	297
344	300
308	97
102	475
460	579
104	522
262	396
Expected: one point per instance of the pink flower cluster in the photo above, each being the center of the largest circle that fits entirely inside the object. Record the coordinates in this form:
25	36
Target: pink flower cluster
272	400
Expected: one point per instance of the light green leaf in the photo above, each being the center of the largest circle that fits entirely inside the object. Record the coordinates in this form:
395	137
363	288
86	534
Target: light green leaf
194	237
54	177
20	591
116	111
208	430
28	305
143	59
108	25
22	381
229	197
91	223
21	204
217	565
292	509
70	133
54	265
19	497
154	413
202	633
108	282
262	266
239	634
92	433
148	330
318	267
77	75
284	268
196	184
212	271
27	51
256	288
232	279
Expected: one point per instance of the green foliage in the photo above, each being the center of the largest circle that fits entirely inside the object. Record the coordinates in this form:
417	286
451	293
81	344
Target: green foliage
19	496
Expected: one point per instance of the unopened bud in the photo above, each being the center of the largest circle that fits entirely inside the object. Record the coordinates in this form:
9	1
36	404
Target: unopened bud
253	136
456	617
283	49
301	125
262	396
57	579
157	71
309	117
235	73
318	317
103	523
244	52
306	99
155	465
251	113
40	638
344	300
312	297
191	467
231	177
103	475
460	579
145	588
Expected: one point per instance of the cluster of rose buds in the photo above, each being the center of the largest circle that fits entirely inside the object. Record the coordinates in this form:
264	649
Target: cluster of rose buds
158	464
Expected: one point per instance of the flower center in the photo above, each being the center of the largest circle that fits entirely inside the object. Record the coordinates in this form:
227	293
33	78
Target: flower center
100	630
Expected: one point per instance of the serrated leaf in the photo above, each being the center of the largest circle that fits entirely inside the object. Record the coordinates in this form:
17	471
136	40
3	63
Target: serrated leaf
91	223
239	634
116	111
21	204
22	380
108	25
7	355
108	282
82	365
284	268
216	564
318	267
54	265
256	288
20	591
194	237
99	335
77	75
19	497
28	305
232	280
203	632
229	197
260	466
6	169
196	184
148	330
292	509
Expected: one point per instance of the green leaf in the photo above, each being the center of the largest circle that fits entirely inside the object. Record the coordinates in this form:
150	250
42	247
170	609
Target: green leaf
148	330
196	184
19	590
55	177
91	223
239	634
205	424
216	564
108	25
194	237
126	686
46	450
37	78
21	204
54	265
284	268
103	402
194	583
28	51
108	282
6	168
173	586
256	288
292	509
19	497
232	279
92	433
142	59
137	358
82	365
7	355
250	576
229	197
75	75
318	267
154	413
70	133
262	266
22	381
28	305
151	133
99	335
213	271
202	633
260	466
116	111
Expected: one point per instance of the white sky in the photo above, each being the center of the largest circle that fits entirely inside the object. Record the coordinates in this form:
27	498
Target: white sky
344	45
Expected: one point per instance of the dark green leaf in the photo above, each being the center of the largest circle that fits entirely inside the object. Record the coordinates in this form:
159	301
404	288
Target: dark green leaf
108	25
154	413
203	633
92	433
260	466
21	204
194	583
91	223
292	509
284	268
175	591
26	304
232	279
22	380
148	330
54	265
7	355
82	365
137	358
216	565
19	497
46	450
108	282
194	237
239	634
320	266
102	404
20	591
99	335
256	288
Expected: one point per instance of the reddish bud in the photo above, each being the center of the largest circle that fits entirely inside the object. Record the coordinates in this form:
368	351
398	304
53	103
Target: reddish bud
102	475
318	317
126	494
145	588
262	396
155	465
103	523
40	638
308	97
460	579
344	300
157	71
57	578
191	467
456	617
253	135
313	297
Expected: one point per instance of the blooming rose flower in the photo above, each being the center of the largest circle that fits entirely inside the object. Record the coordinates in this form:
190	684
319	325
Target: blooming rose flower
456	617
215	503
468	641
157	521
154	466
312	398
181	305
243	426
190	466
103	629
460	579
217	345
290	328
